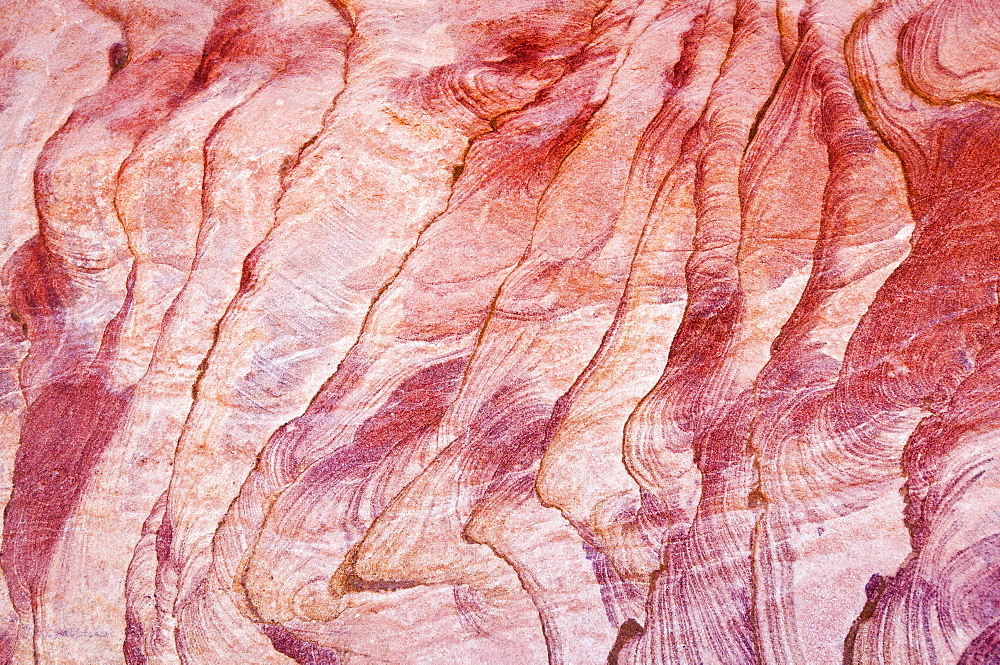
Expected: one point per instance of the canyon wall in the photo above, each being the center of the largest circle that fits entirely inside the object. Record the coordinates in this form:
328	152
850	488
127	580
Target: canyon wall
534	331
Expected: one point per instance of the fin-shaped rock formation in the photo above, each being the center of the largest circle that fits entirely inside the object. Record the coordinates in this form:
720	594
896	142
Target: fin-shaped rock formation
636	332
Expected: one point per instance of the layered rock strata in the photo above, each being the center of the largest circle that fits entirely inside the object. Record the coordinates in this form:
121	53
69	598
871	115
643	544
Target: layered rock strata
356	331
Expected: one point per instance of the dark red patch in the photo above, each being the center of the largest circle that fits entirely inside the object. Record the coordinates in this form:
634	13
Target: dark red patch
415	407
135	654
64	434
304	653
66	429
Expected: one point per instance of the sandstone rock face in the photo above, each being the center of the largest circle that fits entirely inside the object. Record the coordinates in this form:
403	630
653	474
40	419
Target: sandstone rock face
452	331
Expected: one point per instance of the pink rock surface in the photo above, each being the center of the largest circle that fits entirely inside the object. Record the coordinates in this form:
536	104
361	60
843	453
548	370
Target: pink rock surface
603	331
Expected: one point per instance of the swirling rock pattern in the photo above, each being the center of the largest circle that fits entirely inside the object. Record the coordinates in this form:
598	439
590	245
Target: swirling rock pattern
532	331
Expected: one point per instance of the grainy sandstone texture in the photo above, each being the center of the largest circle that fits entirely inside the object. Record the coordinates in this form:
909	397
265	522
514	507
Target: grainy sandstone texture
518	332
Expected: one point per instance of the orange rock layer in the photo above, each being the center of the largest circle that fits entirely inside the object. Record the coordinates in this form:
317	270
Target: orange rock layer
453	331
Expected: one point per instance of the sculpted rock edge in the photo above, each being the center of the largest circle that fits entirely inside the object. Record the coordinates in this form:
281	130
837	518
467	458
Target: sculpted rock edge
635	332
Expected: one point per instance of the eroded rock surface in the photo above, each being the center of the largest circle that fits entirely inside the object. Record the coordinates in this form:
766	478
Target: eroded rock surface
451	331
